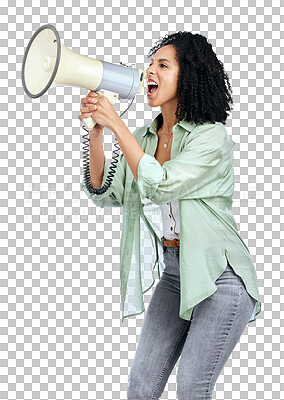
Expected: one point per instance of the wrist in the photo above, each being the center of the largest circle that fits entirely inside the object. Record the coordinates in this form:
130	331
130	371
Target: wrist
94	134
117	124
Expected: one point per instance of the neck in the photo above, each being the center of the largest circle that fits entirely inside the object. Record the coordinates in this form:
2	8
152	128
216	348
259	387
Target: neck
168	119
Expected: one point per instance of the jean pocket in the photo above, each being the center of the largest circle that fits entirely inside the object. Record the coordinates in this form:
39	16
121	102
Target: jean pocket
236	276
229	276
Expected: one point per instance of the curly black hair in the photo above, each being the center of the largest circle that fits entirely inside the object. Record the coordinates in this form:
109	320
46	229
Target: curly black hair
202	92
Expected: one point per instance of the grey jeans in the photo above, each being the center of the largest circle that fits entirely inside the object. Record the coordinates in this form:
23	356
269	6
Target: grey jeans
203	344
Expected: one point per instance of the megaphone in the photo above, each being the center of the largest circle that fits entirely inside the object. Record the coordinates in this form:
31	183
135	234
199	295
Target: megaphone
47	63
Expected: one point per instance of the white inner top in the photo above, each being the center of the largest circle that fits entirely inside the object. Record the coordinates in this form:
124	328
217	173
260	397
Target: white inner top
171	220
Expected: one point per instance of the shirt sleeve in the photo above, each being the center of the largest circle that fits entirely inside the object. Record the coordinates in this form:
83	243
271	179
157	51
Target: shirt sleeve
195	173
114	196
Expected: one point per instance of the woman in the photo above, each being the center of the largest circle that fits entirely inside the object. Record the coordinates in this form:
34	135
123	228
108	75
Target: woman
182	162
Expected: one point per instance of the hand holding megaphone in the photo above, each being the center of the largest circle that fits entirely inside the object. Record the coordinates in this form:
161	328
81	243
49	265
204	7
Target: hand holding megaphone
86	112
97	109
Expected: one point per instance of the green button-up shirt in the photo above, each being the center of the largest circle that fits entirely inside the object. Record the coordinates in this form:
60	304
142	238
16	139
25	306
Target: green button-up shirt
199	174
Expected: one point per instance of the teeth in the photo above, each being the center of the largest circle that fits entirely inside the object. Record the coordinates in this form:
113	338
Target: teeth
152	83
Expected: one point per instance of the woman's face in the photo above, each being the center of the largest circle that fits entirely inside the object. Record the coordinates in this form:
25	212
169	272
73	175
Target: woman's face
165	74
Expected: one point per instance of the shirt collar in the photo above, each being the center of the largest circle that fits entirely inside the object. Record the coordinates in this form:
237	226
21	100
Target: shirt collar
153	126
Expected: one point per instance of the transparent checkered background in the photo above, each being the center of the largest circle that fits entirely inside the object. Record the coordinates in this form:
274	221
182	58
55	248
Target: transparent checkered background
61	333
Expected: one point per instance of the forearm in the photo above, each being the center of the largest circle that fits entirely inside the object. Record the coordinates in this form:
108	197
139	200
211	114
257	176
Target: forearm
97	160
129	146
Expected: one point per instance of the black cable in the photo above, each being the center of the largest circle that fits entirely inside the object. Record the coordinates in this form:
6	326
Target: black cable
86	162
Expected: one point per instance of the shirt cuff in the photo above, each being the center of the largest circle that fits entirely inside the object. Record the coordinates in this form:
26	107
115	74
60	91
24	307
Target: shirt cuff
150	174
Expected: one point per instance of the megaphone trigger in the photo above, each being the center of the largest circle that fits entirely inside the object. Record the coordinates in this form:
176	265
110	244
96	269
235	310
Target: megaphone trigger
113	97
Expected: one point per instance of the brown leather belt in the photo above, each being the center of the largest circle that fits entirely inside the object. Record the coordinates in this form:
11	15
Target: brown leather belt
170	243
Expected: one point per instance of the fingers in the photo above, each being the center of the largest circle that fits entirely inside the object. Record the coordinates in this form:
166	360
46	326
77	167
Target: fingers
87	101
88	105
87	111
90	98
85	114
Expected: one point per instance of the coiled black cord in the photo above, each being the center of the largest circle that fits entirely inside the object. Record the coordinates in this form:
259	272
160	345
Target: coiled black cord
86	162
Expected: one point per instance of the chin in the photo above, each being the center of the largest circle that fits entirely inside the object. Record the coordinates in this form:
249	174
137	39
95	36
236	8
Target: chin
152	103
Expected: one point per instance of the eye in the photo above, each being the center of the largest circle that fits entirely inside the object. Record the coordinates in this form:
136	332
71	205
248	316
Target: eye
160	64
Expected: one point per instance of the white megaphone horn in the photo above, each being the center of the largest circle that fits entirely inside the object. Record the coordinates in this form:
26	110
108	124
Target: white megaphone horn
48	63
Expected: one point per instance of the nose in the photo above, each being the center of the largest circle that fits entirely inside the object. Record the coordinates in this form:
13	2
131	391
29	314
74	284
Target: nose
149	70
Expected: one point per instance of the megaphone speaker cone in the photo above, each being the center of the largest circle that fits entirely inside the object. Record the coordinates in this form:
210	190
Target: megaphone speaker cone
41	61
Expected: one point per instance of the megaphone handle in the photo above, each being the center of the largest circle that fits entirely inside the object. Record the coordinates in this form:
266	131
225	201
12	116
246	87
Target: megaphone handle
113	97
89	123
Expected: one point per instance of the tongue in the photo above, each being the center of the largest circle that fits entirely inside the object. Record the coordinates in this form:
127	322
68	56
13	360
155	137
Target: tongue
153	89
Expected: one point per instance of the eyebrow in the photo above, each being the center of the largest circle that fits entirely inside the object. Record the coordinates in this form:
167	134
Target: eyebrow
162	59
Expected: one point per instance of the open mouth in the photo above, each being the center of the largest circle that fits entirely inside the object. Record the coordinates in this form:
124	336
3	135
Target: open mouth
152	89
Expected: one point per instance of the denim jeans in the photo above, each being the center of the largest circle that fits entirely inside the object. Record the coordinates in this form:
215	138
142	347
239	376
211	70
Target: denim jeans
203	344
